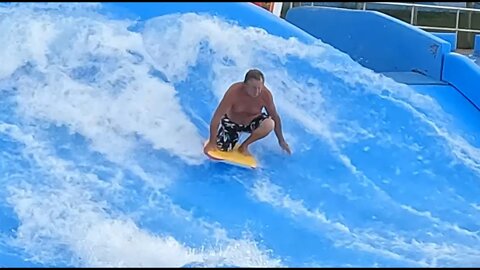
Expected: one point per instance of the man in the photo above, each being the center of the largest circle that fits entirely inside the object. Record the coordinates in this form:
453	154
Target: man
240	110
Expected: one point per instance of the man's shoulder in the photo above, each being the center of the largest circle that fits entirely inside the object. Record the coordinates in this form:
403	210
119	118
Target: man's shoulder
234	88
267	93
237	85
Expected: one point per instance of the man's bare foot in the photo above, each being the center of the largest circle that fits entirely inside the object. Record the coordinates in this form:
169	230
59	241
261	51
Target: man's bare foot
244	150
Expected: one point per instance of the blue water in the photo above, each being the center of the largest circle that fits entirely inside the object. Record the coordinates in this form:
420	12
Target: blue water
101	129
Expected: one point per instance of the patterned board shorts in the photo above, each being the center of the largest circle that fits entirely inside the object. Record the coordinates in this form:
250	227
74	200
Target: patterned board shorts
228	133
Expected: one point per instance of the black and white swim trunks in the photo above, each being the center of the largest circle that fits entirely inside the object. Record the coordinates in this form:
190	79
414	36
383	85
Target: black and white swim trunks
228	133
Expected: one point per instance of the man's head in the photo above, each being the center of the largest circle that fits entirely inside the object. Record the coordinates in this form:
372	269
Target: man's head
254	80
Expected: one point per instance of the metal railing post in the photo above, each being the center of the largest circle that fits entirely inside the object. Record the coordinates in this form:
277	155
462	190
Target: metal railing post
457	22
412	14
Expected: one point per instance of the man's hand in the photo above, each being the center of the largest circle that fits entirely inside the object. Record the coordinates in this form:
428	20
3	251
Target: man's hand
209	146
285	146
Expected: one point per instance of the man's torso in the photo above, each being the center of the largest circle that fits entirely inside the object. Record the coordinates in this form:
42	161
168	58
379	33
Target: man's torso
245	108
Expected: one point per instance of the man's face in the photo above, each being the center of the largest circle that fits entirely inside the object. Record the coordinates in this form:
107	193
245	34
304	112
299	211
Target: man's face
254	87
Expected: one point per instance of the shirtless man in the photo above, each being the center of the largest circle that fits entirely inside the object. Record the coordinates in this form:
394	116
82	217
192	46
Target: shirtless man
240	110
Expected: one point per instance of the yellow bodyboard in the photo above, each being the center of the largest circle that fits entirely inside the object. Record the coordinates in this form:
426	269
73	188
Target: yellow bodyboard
233	157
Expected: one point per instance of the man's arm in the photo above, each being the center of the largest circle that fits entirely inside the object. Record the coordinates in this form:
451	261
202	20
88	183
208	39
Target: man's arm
272	111
222	108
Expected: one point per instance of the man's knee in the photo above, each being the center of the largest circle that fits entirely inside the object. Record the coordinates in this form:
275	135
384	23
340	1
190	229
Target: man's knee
268	124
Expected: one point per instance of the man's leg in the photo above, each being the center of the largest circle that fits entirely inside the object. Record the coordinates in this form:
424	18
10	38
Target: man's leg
227	136
266	126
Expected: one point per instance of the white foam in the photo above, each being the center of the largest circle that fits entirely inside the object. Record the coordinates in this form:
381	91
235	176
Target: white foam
265	191
119	102
392	245
122	101
62	214
441	224
99	241
460	148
